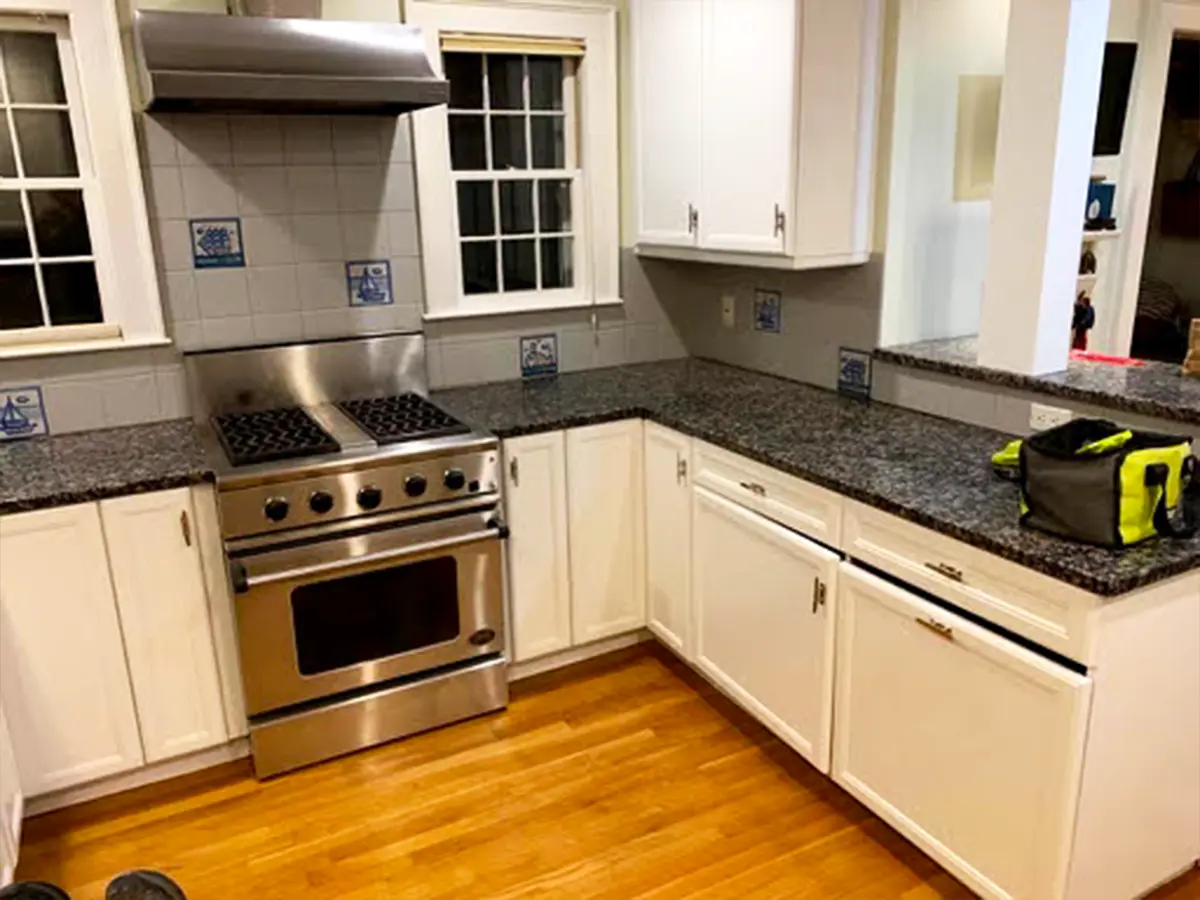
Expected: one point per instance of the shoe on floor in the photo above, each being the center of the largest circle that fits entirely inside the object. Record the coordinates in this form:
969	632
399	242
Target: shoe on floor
140	885
33	890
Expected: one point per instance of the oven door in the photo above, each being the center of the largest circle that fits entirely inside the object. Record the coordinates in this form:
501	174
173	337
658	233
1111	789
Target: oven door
343	612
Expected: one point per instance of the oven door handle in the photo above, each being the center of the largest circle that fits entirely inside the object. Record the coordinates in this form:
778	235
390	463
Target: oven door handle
243	583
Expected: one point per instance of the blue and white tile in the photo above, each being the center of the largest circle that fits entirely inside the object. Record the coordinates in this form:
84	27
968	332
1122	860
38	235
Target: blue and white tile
369	283
317	238
217	243
22	412
208	192
538	354
221	293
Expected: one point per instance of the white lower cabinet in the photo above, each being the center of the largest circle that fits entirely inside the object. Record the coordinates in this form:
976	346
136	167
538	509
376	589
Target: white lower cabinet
63	682
764	605
11	805
966	743
154	552
669	537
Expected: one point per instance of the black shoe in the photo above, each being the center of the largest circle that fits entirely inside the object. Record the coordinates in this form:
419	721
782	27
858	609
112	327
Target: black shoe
33	890
141	885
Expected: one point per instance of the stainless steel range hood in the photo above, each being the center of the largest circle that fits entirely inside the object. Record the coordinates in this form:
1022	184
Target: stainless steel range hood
199	61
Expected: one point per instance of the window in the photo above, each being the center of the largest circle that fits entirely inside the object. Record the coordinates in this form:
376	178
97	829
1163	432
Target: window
517	175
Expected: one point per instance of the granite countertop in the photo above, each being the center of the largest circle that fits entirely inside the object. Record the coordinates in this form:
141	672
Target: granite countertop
1154	389
92	465
931	471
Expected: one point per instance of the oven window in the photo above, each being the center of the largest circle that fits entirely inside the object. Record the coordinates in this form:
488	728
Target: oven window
373	615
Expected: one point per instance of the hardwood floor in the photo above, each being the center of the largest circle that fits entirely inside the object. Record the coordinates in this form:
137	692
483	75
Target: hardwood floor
626	777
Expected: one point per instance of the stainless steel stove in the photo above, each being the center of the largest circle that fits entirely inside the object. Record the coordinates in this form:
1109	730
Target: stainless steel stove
362	530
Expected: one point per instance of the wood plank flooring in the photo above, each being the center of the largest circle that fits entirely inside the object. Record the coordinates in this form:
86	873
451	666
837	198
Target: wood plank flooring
625	777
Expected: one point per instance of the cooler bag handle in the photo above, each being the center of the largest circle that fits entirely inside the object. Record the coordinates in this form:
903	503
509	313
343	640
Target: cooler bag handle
1156	476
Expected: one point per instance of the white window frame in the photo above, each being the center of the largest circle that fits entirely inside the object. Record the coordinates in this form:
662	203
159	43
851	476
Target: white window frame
596	197
102	124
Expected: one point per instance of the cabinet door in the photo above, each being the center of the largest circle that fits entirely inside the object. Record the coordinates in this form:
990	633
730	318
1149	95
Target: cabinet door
763	597
535	498
748	140
666	37
668	537
63	681
155	558
11	806
966	743
605	507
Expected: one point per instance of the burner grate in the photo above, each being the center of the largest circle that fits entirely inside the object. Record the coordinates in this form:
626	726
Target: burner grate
272	434
404	417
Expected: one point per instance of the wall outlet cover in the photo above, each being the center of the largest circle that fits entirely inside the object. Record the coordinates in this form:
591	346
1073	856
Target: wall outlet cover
1042	417
768	311
539	355
22	413
728	310
369	283
217	243
854	373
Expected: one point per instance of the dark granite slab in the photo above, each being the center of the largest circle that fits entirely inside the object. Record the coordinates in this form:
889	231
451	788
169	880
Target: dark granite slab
1155	389
92	465
931	471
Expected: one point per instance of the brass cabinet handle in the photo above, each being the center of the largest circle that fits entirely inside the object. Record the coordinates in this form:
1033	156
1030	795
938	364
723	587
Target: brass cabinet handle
945	570
186	527
819	593
945	632
753	487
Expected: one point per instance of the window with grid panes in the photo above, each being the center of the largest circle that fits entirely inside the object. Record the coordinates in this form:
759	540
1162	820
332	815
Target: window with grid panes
514	163
47	266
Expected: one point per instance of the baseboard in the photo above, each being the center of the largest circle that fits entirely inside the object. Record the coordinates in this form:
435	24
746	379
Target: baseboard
572	655
125	781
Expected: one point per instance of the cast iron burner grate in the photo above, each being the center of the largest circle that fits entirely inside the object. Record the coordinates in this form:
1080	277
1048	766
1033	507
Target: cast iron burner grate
272	434
404	417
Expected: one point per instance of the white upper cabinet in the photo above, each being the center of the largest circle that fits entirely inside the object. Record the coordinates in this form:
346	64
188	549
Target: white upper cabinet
535	501
755	128
155	557
605	503
668	537
63	682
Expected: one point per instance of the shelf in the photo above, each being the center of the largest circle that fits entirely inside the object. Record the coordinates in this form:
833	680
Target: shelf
1090	237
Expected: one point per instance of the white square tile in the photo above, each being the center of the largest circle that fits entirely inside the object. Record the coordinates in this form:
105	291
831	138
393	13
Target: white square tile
641	343
222	293
273	289
317	238
173	245
180	293
400	191
187	335
164	193
576	350
279	328
373	319
407	285
322	286
202	140
403	233
356	141
73	406
257	140
408	317
360	188
157	140
236	331
307	140
610	348
327	323
268	240
364	236
172	392
396	138
671	344
130	400
313	189
208	192
263	190
433	364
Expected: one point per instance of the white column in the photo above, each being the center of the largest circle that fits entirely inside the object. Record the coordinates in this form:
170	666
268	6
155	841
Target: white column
1051	89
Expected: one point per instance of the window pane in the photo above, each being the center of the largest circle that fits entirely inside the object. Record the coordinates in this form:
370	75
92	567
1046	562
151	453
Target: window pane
47	149
465	74
467	150
72	293
479	268
8	162
516	207
557	263
545	82
549	148
14	238
520	265
59	223
508	142
31	64
19	306
476	216
505	77
554	206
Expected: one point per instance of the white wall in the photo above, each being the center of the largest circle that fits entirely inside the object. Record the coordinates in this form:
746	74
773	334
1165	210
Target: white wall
936	247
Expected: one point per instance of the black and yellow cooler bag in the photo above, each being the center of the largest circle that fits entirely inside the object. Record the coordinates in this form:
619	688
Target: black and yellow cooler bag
1092	480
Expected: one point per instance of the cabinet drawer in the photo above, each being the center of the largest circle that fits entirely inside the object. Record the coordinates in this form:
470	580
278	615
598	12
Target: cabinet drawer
791	501
1042	609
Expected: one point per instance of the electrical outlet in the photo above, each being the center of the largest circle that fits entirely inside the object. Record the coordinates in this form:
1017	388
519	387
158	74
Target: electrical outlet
728	305
1042	417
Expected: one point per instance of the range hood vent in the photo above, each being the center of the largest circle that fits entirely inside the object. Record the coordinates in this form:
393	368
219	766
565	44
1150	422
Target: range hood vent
205	62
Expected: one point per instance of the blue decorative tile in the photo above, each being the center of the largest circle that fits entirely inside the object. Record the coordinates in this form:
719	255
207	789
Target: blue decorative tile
854	372
369	283
22	413
539	355
217	243
768	314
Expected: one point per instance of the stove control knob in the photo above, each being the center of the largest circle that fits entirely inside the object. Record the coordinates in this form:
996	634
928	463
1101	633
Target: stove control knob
455	479
414	485
276	509
370	497
320	502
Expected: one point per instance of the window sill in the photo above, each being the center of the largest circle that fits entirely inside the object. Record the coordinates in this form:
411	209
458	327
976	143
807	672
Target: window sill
67	348
516	309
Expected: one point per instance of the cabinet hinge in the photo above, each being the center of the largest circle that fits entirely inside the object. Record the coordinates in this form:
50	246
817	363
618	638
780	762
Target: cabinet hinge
780	220
693	219
186	527
514	472
681	470
818	594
